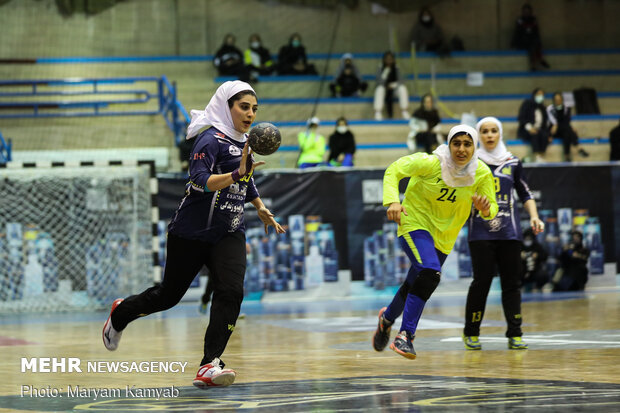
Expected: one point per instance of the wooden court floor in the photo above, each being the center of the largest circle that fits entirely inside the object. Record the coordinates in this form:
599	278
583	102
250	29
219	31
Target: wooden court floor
317	356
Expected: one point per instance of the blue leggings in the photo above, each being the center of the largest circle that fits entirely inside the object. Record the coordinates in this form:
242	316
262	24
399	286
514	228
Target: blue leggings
420	249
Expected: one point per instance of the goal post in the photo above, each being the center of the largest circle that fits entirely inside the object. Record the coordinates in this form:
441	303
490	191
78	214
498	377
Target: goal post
76	236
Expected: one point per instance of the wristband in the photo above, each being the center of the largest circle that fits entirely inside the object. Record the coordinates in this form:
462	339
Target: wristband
235	175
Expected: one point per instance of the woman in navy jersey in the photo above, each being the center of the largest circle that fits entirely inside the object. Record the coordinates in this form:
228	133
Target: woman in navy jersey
495	245
208	228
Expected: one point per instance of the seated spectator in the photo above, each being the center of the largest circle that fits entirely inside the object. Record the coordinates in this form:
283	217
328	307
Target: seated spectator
534	263
229	60
427	34
292	58
347	80
560	117
311	145
341	144
533	124
573	274
527	37
614	143
424	127
388	84
257	58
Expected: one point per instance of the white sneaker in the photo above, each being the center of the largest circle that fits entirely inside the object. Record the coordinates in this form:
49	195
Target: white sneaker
110	336
213	375
406	115
539	159
378	116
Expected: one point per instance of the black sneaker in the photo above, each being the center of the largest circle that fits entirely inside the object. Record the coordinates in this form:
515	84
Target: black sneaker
382	335
403	345
583	153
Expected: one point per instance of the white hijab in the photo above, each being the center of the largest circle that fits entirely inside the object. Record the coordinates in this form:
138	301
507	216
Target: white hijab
499	154
452	174
217	112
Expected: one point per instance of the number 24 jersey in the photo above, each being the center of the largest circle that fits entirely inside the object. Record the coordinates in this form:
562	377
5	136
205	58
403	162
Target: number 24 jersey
430	203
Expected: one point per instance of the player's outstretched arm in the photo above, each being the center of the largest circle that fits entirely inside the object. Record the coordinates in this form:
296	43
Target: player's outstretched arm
267	217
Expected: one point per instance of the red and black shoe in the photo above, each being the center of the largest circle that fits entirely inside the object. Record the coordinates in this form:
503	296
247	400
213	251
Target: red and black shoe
110	336
382	335
212	374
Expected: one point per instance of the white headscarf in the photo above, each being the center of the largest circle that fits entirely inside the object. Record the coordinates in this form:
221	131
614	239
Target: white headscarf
499	154
452	174
217	112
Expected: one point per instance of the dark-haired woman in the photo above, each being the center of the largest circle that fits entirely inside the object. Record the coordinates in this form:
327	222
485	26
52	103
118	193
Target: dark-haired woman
208	228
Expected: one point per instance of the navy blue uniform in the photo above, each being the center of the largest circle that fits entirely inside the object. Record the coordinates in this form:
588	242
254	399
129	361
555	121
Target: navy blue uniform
207	229
506	224
205	215
495	247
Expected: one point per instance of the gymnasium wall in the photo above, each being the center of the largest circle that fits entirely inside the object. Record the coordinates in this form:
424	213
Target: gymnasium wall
32	28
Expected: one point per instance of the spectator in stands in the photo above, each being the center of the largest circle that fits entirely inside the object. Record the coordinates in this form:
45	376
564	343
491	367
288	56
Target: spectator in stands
292	58
573	274
257	58
388	84
229	60
424	127
534	262
311	145
341	144
527	37
347	80
614	143
427	34
560	117
533	124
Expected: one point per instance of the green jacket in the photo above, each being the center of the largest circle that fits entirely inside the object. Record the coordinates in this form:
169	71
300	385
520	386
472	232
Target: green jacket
312	147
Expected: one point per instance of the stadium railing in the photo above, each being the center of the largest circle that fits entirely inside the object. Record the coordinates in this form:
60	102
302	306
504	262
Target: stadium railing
44	98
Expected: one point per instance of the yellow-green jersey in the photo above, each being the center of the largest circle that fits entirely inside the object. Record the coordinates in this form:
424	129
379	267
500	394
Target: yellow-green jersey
432	205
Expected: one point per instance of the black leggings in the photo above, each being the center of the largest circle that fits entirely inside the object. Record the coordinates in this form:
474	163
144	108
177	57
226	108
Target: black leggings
226	262
568	136
486	258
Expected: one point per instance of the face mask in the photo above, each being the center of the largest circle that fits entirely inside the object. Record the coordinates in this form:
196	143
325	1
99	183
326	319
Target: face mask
559	107
539	99
527	242
255	45
341	129
426	18
295	43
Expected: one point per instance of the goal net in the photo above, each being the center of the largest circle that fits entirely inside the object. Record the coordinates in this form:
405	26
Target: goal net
73	237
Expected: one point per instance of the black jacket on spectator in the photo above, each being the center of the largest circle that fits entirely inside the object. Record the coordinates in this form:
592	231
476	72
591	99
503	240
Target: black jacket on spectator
227	60
340	143
526	33
614	143
430	116
574	262
288	56
527	114
349	85
562	116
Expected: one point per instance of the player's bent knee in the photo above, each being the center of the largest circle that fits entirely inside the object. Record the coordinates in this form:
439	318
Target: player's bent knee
425	283
404	290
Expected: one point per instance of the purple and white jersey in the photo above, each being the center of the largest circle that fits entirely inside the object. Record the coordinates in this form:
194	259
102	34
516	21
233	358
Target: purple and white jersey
508	178
207	215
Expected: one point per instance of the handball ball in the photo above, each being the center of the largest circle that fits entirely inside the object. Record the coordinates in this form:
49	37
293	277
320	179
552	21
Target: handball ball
264	138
